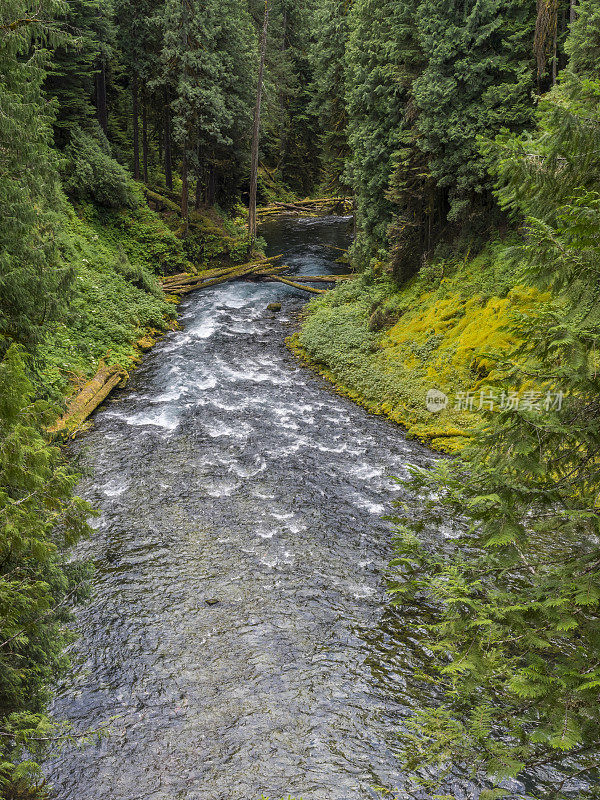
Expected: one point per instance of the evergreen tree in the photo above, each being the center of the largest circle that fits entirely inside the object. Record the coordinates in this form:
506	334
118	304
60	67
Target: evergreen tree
514	610
478	79
328	57
76	64
39	521
32	281
207	56
583	44
380	55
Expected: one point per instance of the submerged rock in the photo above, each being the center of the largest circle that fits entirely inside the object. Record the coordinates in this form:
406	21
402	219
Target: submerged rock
274	307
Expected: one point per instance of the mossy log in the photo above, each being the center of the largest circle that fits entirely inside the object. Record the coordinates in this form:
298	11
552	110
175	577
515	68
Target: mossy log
160	199
308	205
183	284
89	397
296	285
324	278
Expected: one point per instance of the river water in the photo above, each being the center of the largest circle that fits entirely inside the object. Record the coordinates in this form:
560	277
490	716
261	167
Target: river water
238	632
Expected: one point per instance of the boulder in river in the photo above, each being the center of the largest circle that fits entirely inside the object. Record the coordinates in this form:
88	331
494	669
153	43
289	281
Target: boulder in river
274	307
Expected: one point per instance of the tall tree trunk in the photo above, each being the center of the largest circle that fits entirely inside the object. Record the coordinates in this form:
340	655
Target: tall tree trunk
256	134
573	12
145	135
101	105
212	185
168	165
185	187
136	127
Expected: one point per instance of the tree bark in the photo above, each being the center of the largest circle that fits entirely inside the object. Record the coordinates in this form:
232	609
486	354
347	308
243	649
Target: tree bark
145	135
573	12
256	134
185	187
101	104
136	127
212	185
168	165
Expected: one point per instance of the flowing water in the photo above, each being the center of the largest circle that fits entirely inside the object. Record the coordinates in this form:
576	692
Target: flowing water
239	632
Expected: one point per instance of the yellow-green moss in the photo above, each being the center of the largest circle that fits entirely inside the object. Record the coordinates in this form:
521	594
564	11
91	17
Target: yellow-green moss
452	330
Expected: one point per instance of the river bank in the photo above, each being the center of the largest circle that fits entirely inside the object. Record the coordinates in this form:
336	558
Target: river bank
386	347
118	308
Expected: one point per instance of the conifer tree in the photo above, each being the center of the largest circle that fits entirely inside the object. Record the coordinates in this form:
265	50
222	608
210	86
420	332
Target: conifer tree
478	79
32	282
514	609
328	57
379	55
77	74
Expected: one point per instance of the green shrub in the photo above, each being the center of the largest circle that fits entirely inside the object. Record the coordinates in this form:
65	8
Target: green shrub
90	173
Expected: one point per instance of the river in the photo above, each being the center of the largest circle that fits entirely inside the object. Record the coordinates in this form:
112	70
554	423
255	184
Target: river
238	632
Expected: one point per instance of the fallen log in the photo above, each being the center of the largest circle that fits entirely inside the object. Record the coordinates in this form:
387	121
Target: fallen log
89	397
160	199
322	278
172	282
297	285
251	269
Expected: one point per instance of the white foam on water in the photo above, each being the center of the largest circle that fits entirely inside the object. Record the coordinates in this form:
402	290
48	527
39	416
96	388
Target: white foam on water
363	592
221	488
204	329
340	449
159	419
266	534
366	471
248	472
240	431
115	488
369	505
262	496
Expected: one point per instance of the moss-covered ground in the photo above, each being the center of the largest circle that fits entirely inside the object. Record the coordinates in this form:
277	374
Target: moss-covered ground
447	329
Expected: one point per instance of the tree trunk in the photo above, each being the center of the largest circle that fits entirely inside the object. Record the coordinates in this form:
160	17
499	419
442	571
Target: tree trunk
256	134
555	57
101	105
185	188
211	195
145	135
198	201
136	127
168	166
573	12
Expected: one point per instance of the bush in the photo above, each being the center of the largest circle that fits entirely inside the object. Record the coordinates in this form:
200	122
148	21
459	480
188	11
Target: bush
90	173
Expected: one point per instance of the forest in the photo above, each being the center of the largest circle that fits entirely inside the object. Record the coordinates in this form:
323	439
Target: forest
141	144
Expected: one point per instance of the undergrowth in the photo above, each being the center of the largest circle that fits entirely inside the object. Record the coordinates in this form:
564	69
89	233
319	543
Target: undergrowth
386	347
117	256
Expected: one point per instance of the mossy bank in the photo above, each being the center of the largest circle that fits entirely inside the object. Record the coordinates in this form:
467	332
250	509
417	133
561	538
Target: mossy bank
116	307
448	329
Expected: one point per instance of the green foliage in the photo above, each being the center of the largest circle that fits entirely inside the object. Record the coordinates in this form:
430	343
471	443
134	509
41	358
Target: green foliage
422	83
90	173
208	57
328	90
88	32
116	294
515	603
478	79
386	347
39	520
583	44
32	283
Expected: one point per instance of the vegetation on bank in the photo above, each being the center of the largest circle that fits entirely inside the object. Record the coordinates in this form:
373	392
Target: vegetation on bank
448	329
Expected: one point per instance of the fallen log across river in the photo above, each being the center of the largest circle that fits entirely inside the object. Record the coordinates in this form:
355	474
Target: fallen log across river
263	269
